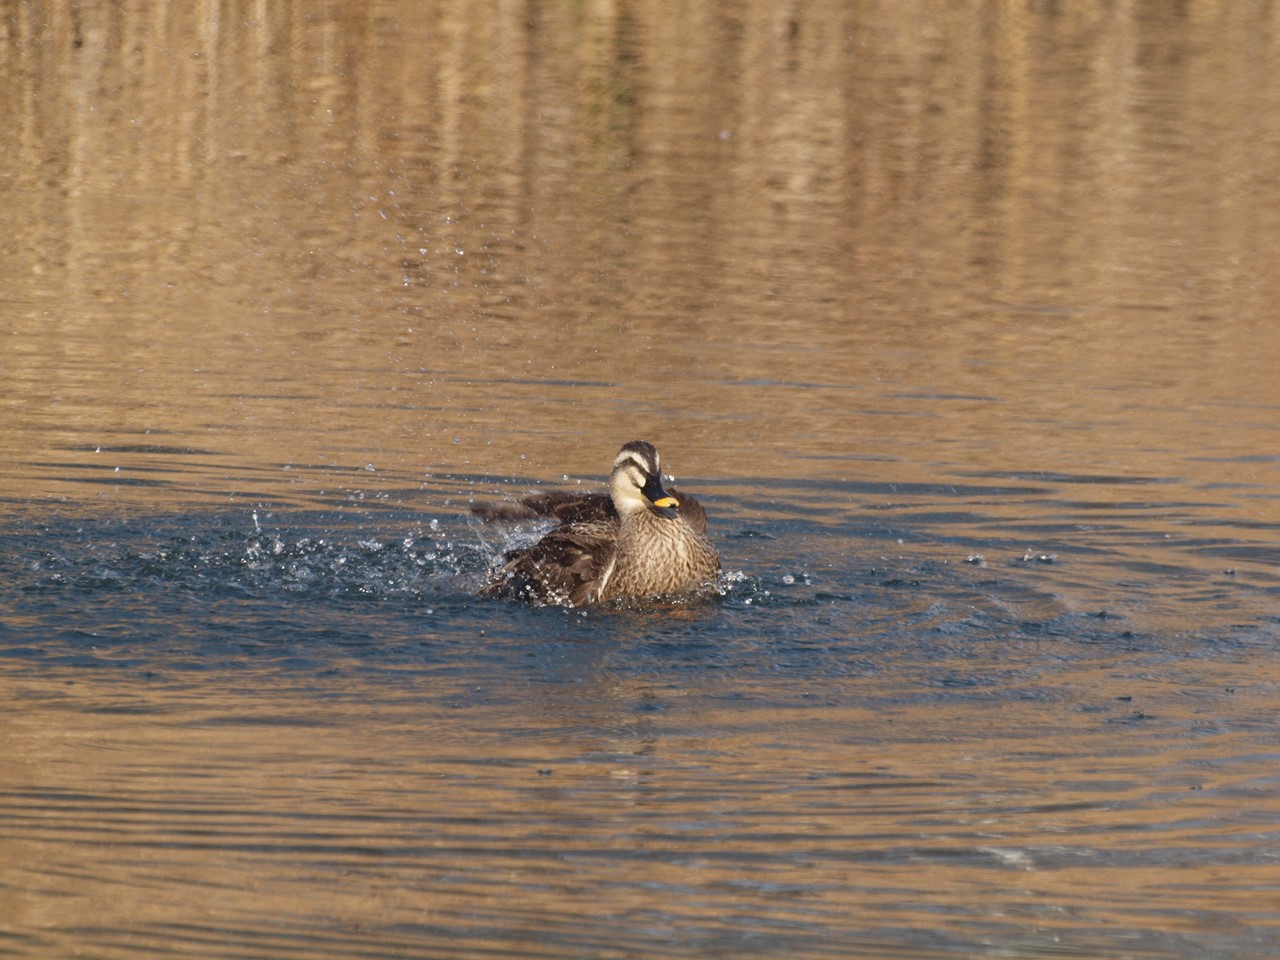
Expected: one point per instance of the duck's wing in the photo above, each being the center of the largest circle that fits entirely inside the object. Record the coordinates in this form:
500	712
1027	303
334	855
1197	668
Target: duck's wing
691	510
569	565
569	507
564	505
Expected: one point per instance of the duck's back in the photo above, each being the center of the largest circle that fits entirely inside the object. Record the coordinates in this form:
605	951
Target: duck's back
570	507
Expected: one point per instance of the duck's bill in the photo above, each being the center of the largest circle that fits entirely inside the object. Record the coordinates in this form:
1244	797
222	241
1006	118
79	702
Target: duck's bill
656	495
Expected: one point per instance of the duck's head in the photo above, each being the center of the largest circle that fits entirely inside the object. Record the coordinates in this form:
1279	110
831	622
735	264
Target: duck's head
636	480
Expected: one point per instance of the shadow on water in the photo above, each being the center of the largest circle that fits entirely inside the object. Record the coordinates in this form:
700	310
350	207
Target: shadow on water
881	563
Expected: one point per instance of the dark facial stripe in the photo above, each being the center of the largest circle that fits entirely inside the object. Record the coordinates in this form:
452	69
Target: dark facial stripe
642	454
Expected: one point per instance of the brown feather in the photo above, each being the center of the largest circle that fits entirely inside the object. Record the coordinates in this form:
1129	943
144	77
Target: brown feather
567	507
566	565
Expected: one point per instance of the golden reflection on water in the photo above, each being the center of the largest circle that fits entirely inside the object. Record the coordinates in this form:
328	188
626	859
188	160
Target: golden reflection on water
438	237
246	824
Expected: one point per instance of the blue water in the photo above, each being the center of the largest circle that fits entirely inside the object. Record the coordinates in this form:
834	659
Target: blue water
837	572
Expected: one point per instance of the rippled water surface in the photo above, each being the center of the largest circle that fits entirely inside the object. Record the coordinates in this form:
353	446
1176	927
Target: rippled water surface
959	321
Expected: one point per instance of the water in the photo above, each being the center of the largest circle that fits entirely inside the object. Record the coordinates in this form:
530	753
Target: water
957	321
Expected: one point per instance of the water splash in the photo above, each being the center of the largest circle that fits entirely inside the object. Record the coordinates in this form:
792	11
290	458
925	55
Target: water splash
241	556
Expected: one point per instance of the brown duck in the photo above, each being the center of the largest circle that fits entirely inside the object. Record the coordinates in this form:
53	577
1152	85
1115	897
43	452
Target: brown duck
638	541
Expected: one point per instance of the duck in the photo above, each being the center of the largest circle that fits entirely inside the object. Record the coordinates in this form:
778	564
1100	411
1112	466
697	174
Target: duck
639	541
